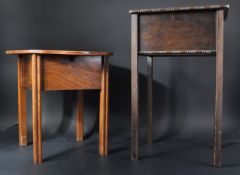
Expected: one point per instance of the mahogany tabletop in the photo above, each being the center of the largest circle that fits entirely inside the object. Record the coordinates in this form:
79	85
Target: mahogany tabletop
58	52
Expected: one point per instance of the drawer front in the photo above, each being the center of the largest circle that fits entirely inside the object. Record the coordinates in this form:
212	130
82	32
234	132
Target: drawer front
66	72
178	31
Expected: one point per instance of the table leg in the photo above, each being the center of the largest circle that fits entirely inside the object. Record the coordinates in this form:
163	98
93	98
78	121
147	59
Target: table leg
22	114
36	108
107	105
103	117
149	98
80	117
134	87
219	89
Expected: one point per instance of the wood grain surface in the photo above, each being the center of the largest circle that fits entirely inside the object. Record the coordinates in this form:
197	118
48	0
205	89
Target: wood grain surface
219	90
103	111
36	109
178	31
58	52
22	113
66	72
215	7
80	116
134	87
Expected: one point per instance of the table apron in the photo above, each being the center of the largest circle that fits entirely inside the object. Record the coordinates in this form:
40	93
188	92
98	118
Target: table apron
64	72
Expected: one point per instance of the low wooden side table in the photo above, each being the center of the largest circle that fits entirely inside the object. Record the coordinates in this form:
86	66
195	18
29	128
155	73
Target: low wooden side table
48	70
182	31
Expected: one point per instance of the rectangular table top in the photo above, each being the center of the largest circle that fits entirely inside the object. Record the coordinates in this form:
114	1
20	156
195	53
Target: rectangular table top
225	7
58	52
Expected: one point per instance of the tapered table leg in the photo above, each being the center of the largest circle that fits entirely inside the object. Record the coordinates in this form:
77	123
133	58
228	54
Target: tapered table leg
36	108
103	117
149	98
22	114
219	88
80	117
134	87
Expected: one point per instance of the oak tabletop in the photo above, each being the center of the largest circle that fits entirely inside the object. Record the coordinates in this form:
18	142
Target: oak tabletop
57	52
225	7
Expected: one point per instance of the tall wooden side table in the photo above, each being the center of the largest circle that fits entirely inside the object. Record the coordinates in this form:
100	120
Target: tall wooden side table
183	31
48	70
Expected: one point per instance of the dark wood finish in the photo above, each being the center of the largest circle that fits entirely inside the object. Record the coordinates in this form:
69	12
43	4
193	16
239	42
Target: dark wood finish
219	89
22	113
178	53
103	115
134	87
224	7
183	31
80	116
194	31
82	72
61	70
149	98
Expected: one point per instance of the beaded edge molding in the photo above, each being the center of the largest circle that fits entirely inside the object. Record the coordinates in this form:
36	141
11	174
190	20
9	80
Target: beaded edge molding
179	9
176	52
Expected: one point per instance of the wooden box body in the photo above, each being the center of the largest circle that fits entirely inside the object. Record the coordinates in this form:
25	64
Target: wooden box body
177	31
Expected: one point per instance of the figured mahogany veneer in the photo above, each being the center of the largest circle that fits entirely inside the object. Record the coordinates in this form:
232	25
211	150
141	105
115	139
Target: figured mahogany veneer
47	70
65	72
58	52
